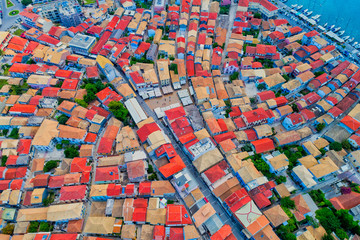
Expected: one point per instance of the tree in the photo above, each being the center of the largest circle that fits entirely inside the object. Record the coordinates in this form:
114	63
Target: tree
44	227
295	107
26	2
33	227
71	152
62	119
280	179
320	127
252	100
346	145
318	73
287	202
327	237
328	219
341	234
81	102
150	169
8	229
234	76
347	220
3	160
257	15
49	165
261	87
14	133
335	146
118	109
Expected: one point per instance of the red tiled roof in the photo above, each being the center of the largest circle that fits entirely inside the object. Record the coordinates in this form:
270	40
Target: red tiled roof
351	123
71	193
146	130
263	145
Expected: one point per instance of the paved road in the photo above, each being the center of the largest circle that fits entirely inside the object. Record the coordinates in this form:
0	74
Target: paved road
196	176
9	21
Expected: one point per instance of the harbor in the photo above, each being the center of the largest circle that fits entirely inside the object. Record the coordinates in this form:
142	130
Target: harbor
308	19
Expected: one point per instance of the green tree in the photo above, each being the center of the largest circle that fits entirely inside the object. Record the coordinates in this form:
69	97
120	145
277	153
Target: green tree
33	227
257	15
49	165
295	107
261	87
150	169
14	133
327	237
234	76
62	119
81	102
8	229
3	160
44	227
320	127
346	145
71	152
335	146
341	234
119	111
280	179
287	202
346	219
328	219
26	2
318	73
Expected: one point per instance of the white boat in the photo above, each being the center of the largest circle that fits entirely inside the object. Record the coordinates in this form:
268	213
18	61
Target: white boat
309	13
341	33
337	29
306	10
317	16
325	25
346	38
351	40
332	26
294	6
355	43
299	7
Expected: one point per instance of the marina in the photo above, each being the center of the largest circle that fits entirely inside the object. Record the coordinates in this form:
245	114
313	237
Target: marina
328	13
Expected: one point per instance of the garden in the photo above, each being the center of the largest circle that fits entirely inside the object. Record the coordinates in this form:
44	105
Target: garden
9	4
14	13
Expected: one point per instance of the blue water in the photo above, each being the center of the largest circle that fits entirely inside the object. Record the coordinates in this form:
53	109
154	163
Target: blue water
342	13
